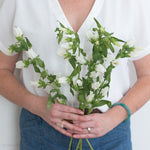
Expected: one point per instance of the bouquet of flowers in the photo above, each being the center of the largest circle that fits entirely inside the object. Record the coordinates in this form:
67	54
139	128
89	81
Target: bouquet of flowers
91	71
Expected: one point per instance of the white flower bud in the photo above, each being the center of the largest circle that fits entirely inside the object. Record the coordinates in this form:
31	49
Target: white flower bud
94	74
104	91
61	52
81	59
95	85
31	53
90	97
100	68
89	57
62	80
131	42
110	58
34	83
136	52
92	35
74	79
63	29
17	32
79	82
20	65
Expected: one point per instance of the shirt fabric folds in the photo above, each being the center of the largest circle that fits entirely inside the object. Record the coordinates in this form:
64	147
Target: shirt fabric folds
127	19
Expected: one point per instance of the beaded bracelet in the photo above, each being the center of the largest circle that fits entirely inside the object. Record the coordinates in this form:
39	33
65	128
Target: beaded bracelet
126	107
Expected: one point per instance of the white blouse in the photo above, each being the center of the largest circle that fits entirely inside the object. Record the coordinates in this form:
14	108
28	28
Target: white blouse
128	19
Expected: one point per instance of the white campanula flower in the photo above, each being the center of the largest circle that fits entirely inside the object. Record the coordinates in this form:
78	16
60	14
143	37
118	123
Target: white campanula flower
34	83
102	29
90	97
62	80
62	49
110	58
100	68
76	81
81	59
20	65
97	42
65	46
92	35
79	82
89	57
18	32
58	75
64	30
104	91
94	74
95	85
136	52
61	52
131	42
31	53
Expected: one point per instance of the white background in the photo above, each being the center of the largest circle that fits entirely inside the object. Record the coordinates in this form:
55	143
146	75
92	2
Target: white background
9	126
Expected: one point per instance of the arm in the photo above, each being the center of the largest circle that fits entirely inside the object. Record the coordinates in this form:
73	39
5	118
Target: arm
135	98
16	93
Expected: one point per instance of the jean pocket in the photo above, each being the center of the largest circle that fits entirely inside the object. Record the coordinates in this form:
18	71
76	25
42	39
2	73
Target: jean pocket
29	120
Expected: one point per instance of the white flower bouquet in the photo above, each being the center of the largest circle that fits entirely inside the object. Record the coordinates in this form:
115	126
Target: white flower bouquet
91	71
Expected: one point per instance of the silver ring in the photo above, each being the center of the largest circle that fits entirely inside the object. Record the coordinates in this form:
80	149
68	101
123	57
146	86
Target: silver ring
89	130
60	125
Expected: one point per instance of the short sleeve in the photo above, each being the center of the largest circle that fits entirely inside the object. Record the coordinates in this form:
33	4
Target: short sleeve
141	29
7	15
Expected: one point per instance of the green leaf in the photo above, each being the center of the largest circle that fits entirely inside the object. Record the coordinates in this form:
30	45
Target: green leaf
76	71
24	45
51	78
81	97
44	74
71	91
28	43
39	62
101	103
73	61
27	63
55	90
119	40
60	36
36	69
42	84
49	102
107	75
97	23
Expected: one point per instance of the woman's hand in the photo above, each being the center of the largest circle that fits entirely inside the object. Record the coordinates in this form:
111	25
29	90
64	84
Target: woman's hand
98	124
58	115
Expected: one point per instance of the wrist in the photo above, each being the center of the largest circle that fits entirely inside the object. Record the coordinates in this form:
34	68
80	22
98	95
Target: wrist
118	114
36	104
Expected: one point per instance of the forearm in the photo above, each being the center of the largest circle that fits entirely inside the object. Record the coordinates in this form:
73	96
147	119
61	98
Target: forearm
135	98
11	89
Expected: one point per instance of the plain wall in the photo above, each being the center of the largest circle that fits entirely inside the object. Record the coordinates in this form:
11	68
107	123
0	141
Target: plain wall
9	126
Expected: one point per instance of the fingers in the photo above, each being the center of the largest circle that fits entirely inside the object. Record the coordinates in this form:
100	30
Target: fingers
62	130
84	136
69	109
70	126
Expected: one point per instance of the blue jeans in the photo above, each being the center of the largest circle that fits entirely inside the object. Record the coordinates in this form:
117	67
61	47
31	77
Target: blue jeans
36	134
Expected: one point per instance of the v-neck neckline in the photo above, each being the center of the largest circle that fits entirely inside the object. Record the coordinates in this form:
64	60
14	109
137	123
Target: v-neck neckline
93	13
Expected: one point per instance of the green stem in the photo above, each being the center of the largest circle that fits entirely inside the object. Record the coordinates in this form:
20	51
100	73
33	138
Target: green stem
78	144
89	144
81	144
90	110
70	143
